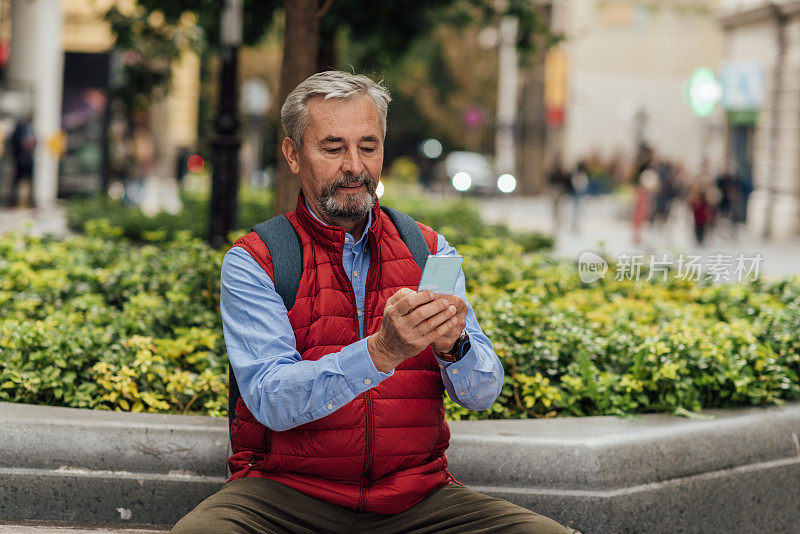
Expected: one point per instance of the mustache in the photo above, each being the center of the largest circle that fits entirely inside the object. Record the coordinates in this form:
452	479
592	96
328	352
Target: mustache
351	179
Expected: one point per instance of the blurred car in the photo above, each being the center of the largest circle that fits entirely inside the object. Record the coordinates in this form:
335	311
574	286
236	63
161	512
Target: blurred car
470	172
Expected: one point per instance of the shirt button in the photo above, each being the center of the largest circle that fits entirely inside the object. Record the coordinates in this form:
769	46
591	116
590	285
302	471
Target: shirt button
355	273
462	393
368	381
441	366
330	406
359	312
455	371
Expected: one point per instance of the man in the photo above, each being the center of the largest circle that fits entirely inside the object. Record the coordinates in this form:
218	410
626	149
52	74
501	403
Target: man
340	426
23	143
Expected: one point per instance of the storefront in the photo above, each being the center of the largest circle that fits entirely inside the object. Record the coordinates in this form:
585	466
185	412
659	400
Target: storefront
760	95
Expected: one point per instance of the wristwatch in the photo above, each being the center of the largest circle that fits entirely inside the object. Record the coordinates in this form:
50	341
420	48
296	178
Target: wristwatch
458	351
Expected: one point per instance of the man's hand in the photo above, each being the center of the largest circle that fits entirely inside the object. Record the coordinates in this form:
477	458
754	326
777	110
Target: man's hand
413	320
446	341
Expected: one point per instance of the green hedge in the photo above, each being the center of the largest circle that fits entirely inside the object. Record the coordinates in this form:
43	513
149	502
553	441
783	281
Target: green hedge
254	206
622	347
92	321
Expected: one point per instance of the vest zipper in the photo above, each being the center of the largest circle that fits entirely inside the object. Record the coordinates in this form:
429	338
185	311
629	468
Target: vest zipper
250	466
368	431
362	501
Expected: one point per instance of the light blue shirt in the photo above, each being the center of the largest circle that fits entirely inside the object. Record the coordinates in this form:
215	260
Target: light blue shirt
282	390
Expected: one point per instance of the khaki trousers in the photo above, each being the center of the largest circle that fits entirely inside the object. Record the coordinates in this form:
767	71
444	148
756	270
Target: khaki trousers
257	505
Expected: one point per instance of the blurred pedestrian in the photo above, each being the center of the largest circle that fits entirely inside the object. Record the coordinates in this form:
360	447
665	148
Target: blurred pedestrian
645	181
142	150
23	142
644	191
579	184
181	165
702	211
731	203
665	192
559	181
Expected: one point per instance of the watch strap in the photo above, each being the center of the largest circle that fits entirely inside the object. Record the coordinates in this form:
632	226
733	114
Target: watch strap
460	348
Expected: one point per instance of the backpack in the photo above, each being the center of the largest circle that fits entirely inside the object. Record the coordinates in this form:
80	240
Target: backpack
282	241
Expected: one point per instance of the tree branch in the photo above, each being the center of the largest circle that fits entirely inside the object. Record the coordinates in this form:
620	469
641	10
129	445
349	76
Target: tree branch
324	9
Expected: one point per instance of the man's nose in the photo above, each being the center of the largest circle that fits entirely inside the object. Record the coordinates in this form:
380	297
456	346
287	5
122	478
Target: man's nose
352	162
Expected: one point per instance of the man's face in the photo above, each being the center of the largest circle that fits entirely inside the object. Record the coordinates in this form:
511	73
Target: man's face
340	163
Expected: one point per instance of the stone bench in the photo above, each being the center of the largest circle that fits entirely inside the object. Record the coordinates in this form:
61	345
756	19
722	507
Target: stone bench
738	472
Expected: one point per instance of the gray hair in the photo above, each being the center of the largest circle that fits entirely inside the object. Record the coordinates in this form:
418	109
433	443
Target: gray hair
329	84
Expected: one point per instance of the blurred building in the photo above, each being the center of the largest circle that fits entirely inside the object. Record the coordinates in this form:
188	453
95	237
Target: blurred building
620	79
760	70
60	68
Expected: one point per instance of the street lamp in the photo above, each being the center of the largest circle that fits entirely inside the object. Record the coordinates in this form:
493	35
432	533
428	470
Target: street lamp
225	179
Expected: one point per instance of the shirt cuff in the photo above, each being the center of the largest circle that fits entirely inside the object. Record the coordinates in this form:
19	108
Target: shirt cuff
461	372
359	369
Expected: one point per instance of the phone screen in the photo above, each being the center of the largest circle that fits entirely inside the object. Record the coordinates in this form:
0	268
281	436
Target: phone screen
440	274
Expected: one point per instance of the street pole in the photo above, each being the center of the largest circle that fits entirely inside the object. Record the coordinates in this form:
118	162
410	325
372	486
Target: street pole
774	129
37	61
507	80
225	179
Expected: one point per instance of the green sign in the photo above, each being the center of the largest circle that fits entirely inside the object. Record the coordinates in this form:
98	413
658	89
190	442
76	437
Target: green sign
702	91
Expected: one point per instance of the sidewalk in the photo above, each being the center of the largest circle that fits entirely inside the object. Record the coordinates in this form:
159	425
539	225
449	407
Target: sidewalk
36	221
604	226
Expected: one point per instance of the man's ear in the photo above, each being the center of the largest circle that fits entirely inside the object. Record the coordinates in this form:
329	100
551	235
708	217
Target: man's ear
291	153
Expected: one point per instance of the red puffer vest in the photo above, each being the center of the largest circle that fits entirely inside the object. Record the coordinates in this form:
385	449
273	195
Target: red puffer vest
383	451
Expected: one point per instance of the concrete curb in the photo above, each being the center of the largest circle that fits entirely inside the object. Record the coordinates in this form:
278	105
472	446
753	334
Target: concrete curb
106	467
738	472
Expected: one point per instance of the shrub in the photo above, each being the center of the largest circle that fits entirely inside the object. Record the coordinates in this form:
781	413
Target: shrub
92	321
254	206
621	347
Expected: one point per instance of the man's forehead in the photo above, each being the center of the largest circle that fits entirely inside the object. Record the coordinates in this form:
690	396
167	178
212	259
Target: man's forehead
339	116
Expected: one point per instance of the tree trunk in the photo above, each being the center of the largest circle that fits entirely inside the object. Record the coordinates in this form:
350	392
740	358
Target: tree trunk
326	58
300	52
533	156
539	144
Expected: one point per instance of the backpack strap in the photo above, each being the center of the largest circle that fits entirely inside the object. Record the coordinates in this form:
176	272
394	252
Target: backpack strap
287	257
411	235
283	243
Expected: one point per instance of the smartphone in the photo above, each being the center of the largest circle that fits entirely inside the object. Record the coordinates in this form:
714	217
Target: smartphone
440	274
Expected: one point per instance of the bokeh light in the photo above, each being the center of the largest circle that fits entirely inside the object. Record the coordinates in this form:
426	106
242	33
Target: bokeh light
116	190
506	183
431	148
462	181
195	163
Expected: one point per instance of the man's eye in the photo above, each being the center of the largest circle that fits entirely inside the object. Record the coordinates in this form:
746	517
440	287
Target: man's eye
333	150
368	149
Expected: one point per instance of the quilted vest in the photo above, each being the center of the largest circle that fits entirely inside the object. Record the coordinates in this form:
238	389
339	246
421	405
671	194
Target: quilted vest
385	450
